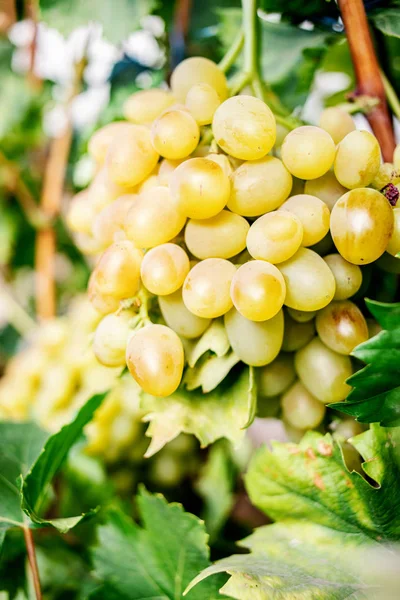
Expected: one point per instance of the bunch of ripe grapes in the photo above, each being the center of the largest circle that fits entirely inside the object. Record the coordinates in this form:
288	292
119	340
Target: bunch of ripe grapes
202	209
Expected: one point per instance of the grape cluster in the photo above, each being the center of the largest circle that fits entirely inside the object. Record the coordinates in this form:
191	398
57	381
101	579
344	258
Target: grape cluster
202	208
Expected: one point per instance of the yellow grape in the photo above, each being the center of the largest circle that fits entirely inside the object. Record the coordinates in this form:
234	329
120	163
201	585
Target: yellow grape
326	188
153	219
393	246
166	169
357	160
111	337
164	269
296	334
102	138
301	409
244	127
258	290
223	161
275	378
196	70
175	134
342	326
200	188
255	343
110	220
348	277
103	191
387	174
313	214
222	236
361	225
80	213
308	152
131	156
323	372
301	316
102	303
259	187
310	284
150	182
117	274
206	291
145	106
179	318
275	237
202	100
155	359
337	122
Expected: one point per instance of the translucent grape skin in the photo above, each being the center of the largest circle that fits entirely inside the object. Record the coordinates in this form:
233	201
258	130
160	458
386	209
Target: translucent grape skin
102	138
275	378
296	334
206	290
175	134
155	359
146	105
361	225
255	343
197	70
337	122
244	127
308	152
348	277
164	269
326	188
275	237
222	236
393	246
323	372
259	187
111	337
202	100
200	188
313	214
179	318
341	326
357	160
301	409
117	274
310	284
258	290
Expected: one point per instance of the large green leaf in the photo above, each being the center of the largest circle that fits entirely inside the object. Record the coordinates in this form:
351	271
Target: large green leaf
375	396
157	561
388	21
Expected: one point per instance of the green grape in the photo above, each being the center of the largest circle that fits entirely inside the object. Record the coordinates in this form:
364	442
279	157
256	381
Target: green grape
301	316
275	378
200	188
196	70
347	429
222	236
117	274
244	127
275	237
342	326
348	277
296	334
111	337
361	225
326	188
202	100
206	291
155	358
179	318
337	122
166	169
357	160
258	290
308	152
393	246
108	223
323	371
153	219
310	284
313	214
102	138
164	269
131	156
386	174
301	409
145	106
255	343
80	213
259	187
175	134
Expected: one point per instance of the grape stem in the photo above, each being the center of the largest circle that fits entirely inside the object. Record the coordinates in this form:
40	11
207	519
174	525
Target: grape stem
391	95
232	54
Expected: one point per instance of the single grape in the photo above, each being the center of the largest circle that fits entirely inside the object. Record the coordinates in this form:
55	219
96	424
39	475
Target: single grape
361	225
337	122
195	70
348	277
164	269
313	215
258	290
155	358
387	174
109	222
393	246
275	237
179	318
222	236
275	378
301	409
342	326
347	429
296	334
259	187
310	284
111	337
102	303
326	188
244	127
308	152
200	188
223	161
202	100
206	291
323	372
357	160
301	316
145	106
102	138
255	343
153	219
117	274
80	213
175	134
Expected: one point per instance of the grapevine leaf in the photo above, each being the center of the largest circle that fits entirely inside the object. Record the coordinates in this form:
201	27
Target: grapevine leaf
209	372
375	396
388	21
330	523
214	340
156	561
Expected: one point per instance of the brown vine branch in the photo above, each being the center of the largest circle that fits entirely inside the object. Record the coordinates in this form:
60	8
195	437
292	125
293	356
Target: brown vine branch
369	80
30	548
